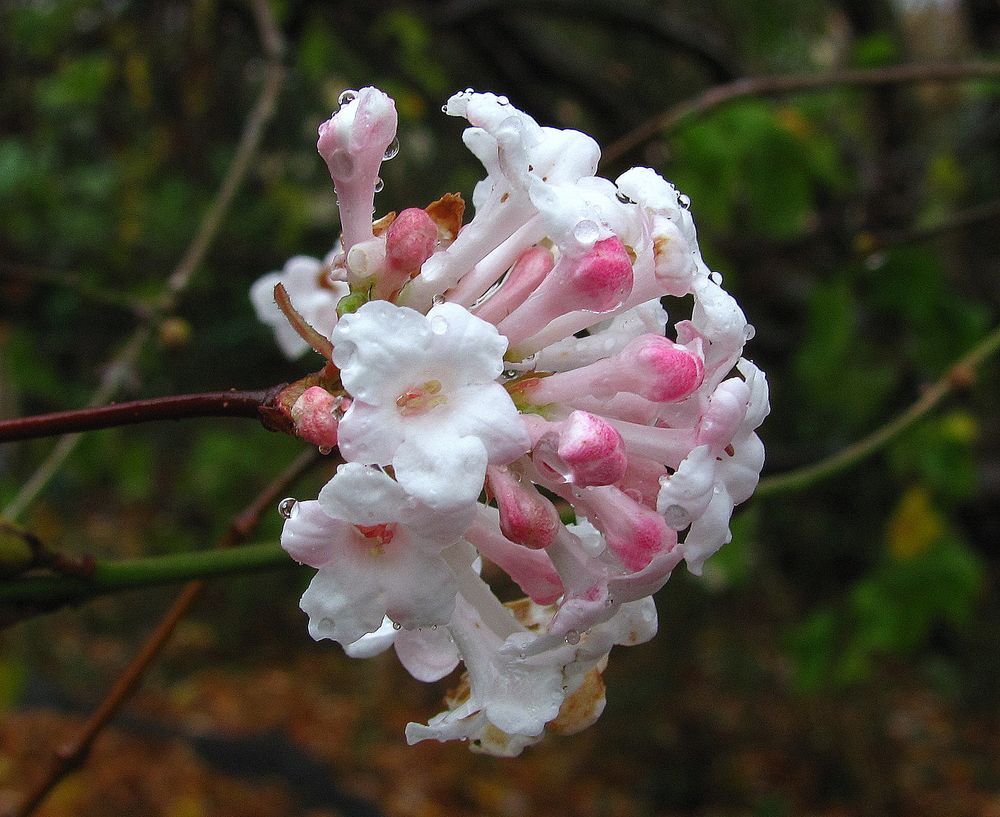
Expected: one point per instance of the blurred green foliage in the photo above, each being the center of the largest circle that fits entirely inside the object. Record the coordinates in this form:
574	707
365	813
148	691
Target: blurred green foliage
117	122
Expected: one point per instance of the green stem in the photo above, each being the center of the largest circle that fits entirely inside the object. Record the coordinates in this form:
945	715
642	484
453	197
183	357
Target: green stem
848	457
113	577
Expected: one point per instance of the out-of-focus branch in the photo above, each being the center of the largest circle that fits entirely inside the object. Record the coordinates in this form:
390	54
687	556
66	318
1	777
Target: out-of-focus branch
73	753
781	84
249	142
175	407
977	214
960	374
659	24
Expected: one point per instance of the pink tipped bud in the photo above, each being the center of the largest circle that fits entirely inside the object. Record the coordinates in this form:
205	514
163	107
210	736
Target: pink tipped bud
664	371
634	532
317	415
353	143
526	517
650	366
410	240
592	449
598	281
525	277
603	278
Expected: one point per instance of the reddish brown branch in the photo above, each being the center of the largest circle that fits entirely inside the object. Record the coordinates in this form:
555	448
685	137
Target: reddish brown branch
780	84
210	404
72	754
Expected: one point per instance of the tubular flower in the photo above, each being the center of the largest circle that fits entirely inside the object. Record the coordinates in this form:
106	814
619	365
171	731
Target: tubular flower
487	381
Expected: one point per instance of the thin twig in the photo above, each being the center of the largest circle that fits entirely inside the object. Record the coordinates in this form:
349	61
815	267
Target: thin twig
958	375
175	407
247	147
987	211
780	84
72	754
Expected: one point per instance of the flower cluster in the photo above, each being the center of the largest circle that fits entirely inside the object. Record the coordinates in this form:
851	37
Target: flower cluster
490	380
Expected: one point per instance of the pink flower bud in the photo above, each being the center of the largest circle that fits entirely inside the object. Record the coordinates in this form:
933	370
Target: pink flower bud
317	415
634	533
526	517
650	365
525	277
598	281
353	143
582	450
667	370
593	449
409	241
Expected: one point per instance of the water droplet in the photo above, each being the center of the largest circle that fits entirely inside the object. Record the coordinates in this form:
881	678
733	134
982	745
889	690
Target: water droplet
347	97
287	506
522	655
434	626
439	325
379	184
510	374
677	517
749	331
502	100
444	108
391	151
325	449
338	410
397	626
470	90
609	602
572	637
684	201
716	278
623	198
437	300
586	231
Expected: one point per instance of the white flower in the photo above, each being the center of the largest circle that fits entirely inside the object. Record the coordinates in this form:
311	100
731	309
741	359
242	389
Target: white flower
378	554
425	398
313	294
713	479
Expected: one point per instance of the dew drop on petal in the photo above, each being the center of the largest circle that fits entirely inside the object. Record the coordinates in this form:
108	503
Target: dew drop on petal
397	626
684	201
439	325
749	331
572	637
379	184
502	100
391	150
677	517
586	232
609	602
623	198
287	506
347	97
510	374
444	108
716	278
325	449
438	299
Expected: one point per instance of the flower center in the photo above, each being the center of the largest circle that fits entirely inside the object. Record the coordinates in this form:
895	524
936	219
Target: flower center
376	536
420	399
